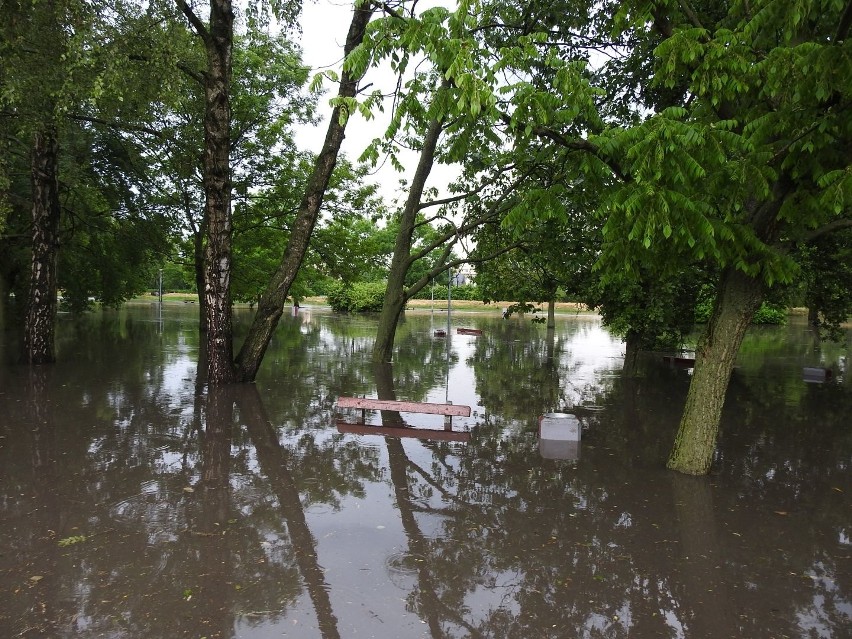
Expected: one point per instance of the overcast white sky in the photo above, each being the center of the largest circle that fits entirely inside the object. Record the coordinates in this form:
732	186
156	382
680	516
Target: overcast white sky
324	27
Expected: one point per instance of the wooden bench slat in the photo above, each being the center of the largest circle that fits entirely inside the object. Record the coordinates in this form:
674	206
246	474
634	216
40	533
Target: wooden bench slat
401	431
403	407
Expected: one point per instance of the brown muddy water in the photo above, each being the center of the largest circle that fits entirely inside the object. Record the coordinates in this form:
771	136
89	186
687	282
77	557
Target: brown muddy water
135	504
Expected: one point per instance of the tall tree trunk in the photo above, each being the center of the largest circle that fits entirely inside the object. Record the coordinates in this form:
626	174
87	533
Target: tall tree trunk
41	306
217	190
813	315
632	346
551	314
394	301
737	300
271	305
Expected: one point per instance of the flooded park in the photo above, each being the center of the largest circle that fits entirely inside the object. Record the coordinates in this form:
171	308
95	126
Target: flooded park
135	503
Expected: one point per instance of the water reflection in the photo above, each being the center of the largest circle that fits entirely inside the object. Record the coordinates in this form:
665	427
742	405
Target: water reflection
135	503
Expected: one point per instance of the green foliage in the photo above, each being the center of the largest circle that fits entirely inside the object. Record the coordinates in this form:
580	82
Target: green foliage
658	312
176	278
438	292
768	313
465	292
357	298
758	139
826	275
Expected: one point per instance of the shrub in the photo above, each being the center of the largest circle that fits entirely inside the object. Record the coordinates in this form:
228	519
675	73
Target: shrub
466	292
770	314
463	292
766	314
356	298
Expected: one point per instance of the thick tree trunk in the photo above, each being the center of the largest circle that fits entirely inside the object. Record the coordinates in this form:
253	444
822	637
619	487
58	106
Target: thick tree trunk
394	301
737	300
813	316
271	305
41	306
551	314
632	346
217	190
383	372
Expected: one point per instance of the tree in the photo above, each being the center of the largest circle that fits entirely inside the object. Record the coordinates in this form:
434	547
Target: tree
271	305
826	263
345	244
267	101
59	95
747	155
754	159
448	99
217	37
35	43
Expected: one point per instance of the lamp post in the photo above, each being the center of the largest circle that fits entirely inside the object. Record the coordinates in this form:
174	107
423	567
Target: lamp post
449	298
160	287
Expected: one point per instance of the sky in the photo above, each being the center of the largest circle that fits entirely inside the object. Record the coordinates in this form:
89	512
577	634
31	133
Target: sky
324	26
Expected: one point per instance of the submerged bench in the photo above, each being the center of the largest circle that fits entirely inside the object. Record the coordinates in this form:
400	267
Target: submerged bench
365	404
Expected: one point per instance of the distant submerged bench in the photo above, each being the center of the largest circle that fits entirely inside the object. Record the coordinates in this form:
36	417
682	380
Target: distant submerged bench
365	404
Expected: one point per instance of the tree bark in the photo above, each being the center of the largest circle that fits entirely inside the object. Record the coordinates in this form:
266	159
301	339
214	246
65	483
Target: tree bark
737	300
551	314
217	191
813	316
394	301
271	304
41	305
632	346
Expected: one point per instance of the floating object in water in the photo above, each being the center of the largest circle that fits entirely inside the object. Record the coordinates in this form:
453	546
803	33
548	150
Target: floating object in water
816	375
684	362
469	331
559	436
440	333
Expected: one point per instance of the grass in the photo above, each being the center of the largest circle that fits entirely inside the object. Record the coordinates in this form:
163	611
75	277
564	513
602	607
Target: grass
438	304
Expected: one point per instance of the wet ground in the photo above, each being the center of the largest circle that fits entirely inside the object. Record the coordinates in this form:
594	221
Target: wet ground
135	504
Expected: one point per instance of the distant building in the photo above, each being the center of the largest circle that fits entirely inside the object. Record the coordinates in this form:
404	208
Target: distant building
463	275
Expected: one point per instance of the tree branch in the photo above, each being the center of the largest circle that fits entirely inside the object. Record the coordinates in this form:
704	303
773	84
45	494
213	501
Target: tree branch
115	126
194	20
836	225
690	13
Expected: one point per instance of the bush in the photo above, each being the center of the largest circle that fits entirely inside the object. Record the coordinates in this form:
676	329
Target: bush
766	314
356	298
769	314
466	292
463	292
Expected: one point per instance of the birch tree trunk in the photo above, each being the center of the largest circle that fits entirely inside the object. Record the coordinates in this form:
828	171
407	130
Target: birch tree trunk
218	41
40	323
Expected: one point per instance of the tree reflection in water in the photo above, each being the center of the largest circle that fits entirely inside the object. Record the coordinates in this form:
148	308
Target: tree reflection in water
245	513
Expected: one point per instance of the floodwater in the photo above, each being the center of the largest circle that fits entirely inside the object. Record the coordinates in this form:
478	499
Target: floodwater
135	504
